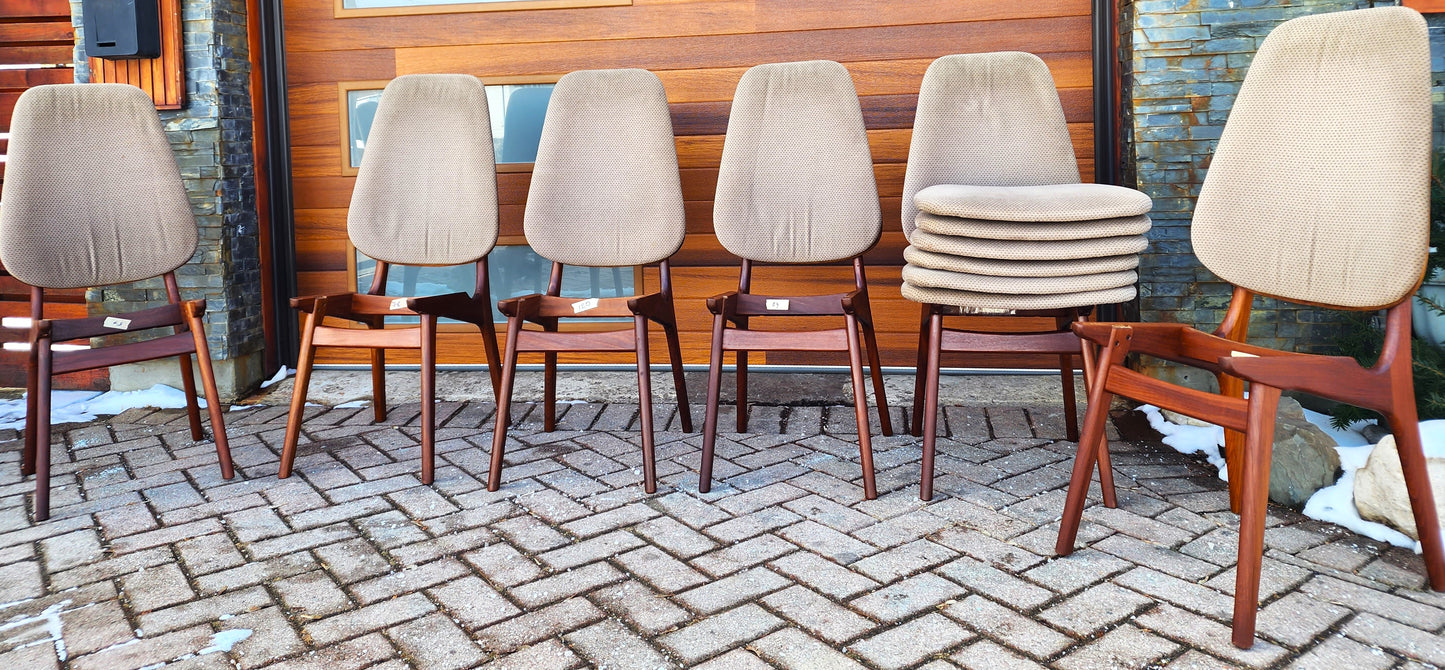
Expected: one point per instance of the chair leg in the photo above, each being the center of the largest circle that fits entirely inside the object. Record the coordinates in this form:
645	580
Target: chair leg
742	391
378	384
1090	439
193	408
929	414
42	431
298	396
1254	490
875	368
213	396
32	397
1106	464
919	373
860	407
494	356
504	405
1405	424
1234	456
644	403
428	397
1071	408
714	393
679	380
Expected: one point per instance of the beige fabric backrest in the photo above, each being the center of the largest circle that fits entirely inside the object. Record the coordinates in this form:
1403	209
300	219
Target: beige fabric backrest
796	180
92	193
426	193
991	119
605	188
1319	190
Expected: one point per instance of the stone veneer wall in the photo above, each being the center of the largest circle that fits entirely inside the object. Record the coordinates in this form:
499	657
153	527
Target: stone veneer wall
1183	63
212	141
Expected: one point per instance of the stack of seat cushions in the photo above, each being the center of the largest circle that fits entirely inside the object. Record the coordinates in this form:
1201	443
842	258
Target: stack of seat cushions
1004	248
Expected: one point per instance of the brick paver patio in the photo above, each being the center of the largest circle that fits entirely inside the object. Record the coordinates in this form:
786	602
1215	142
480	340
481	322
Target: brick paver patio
150	557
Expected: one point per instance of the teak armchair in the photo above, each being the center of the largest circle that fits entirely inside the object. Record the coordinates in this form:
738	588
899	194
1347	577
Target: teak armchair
426	194
1317	194
70	223
605	192
795	186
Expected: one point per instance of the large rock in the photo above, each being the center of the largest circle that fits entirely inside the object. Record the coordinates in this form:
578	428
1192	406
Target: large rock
1305	459
1380	493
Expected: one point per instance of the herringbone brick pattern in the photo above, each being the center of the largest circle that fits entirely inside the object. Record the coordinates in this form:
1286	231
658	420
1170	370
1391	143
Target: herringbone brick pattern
353	563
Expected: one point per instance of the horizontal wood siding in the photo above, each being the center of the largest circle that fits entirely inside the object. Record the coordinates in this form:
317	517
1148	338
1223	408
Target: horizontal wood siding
700	50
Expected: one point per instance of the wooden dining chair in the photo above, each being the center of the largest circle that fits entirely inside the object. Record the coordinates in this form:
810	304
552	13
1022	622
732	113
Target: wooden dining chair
1317	194
795	187
93	197
425	195
605	193
999	225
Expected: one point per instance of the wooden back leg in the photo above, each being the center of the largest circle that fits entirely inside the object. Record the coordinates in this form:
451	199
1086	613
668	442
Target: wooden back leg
860	407
1254	494
42	430
714	393
919	370
504	404
644	402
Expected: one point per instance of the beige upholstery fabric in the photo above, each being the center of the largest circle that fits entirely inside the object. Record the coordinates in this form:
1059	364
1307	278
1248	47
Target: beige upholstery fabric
426	193
1001	268
1029	250
989	119
1014	230
924	277
1058	202
92	193
1006	301
605	189
796	180
1318	191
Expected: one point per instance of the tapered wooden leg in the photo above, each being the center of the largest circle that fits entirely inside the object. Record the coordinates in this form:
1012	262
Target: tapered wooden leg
42	432
932	362
494	357
32	397
504	405
1233	443
378	384
428	397
1106	464
1090	438
193	408
1071	408
860	407
1405	424
644	403
875	368
714	393
298	392
1254	490
742	391
919	371
213	396
679	380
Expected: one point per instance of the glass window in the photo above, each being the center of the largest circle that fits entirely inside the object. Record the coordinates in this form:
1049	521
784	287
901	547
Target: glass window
517	111
515	270
369	4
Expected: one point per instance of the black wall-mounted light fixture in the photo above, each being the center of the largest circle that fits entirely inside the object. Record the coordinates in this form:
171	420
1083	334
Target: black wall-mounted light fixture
119	29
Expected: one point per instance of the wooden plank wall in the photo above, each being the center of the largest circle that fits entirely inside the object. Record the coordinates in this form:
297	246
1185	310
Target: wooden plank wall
34	33
163	78
700	49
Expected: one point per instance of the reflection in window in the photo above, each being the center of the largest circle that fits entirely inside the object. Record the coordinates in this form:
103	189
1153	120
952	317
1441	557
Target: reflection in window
515	270
517	111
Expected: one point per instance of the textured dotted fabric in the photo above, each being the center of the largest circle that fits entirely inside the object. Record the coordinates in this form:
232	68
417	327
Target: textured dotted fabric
1319	190
1002	268
1006	301
795	184
991	119
1057	202
1016	230
1029	250
92	193
960	281
426	193
605	189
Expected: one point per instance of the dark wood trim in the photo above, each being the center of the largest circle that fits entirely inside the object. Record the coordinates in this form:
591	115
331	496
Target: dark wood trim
281	231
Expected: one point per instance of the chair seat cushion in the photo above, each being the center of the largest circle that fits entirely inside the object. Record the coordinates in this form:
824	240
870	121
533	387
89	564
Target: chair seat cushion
1058	202
1032	230
1009	301
1002	268
1029	250
961	281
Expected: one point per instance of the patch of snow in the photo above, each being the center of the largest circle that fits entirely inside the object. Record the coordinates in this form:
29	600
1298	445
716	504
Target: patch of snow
49	620
1207	440
281	374
65	407
351	405
242	408
159	396
83	406
224	640
1336	504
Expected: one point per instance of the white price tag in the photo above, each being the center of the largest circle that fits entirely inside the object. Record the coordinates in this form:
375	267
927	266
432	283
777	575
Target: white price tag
1242	354
584	305
116	323
778	305
399	303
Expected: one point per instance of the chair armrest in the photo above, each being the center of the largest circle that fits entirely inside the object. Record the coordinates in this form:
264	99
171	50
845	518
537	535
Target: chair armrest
526	306
1338	378
724	304
655	306
460	306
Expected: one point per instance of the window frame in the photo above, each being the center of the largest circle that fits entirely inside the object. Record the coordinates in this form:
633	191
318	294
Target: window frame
340	11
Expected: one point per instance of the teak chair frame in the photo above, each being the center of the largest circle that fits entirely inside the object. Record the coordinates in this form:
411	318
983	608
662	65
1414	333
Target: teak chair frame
934	340
1387	387
44	363
372	308
737	307
546	310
